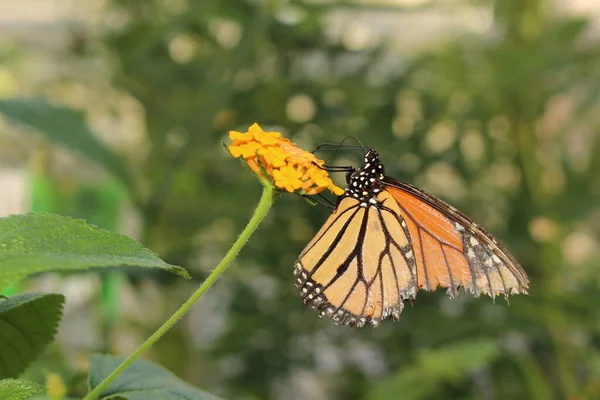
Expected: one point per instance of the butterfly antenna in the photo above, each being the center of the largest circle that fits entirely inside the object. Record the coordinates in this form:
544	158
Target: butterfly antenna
357	141
335	147
338	146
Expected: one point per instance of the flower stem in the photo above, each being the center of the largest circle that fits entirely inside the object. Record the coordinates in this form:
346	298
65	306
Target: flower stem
266	200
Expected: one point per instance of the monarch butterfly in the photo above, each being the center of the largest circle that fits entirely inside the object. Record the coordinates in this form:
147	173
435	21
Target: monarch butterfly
385	240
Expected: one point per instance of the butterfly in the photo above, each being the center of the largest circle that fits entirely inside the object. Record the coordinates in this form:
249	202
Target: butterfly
387	239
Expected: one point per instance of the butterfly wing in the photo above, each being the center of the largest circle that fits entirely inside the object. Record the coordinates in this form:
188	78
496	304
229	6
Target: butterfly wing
359	267
451	250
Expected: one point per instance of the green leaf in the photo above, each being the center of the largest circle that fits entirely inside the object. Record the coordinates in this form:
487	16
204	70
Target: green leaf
65	126
38	242
143	380
46	397
536	383
19	389
450	364
28	322
411	382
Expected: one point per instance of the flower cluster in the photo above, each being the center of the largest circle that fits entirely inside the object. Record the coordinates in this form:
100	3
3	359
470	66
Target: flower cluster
288	166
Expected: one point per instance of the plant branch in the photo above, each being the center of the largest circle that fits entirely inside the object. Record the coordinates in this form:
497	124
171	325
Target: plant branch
266	200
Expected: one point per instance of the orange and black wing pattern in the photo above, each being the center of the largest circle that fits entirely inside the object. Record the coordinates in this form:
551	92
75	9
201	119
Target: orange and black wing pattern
385	240
451	250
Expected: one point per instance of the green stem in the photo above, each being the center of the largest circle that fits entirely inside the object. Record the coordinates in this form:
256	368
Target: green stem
266	200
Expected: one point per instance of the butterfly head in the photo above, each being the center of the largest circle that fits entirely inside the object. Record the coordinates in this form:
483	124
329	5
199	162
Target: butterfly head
372	160
365	182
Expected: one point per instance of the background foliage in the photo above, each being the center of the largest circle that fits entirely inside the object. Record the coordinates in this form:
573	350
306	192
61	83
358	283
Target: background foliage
503	124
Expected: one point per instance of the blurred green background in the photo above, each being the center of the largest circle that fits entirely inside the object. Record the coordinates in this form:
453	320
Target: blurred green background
492	105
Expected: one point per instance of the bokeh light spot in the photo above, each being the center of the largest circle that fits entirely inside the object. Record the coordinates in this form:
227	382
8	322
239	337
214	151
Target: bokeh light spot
227	33
183	48
543	229
300	108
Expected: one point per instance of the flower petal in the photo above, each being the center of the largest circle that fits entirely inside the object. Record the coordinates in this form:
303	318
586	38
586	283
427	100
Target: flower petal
290	167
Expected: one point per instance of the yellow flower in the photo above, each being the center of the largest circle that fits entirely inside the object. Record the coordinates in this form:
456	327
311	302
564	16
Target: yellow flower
288	166
273	156
288	178
245	150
